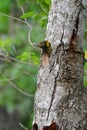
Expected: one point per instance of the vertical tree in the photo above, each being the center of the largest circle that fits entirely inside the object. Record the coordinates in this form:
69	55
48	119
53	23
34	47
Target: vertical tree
60	95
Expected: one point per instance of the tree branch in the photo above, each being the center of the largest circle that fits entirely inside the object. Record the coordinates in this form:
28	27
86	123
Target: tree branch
30	29
22	126
14	86
7	60
17	19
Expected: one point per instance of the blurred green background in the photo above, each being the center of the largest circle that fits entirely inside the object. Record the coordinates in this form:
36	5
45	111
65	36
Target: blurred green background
19	61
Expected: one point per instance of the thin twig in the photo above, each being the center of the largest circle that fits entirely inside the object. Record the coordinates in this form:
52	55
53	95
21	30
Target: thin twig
9	61
34	45
21	62
12	17
39	4
14	86
23	21
22	126
22	9
13	78
30	29
6	55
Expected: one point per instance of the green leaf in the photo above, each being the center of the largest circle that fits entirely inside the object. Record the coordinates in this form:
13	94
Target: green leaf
34	58
43	21
48	2
27	15
24	56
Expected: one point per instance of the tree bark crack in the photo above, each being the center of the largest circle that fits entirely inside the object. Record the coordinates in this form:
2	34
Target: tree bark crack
61	40
52	97
77	21
73	40
54	90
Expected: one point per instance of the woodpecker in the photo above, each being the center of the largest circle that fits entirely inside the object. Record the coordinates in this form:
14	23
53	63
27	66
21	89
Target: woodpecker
46	52
46	47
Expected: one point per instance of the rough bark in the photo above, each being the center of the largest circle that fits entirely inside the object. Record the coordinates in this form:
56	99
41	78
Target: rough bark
60	95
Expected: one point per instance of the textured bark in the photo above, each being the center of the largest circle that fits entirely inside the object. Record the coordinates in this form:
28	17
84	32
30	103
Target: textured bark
60	95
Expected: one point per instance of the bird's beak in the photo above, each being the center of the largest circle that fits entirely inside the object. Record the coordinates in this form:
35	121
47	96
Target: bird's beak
40	45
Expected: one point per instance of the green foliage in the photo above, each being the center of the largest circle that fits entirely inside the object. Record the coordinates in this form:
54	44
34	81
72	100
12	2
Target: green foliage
4	8
27	15
38	12
18	60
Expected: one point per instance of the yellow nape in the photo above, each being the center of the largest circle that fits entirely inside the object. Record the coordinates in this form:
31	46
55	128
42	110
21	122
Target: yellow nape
85	54
48	44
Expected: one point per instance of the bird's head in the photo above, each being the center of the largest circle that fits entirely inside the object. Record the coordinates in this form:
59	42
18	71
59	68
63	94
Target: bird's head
44	45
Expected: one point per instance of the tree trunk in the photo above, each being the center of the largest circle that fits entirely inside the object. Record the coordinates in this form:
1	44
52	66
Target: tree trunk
60	95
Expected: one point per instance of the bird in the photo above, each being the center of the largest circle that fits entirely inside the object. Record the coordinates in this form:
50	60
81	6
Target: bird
46	47
46	52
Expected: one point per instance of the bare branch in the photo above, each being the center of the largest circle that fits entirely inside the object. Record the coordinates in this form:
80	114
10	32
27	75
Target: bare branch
30	29
39	4
22	126
17	19
22	71
19	90
25	18
14	86
25	22
5	55
21	62
34	45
